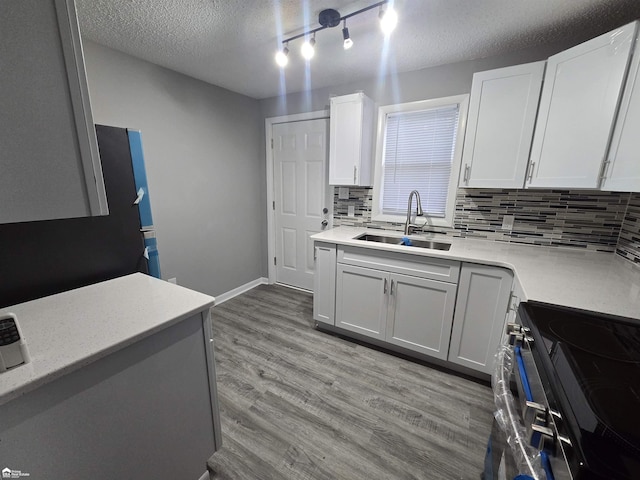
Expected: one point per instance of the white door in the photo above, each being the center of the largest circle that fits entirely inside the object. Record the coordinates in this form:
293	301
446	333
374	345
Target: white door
299	180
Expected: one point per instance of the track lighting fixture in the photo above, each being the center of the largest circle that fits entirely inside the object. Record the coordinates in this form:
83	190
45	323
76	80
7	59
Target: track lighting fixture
282	58
330	18
307	50
348	43
388	20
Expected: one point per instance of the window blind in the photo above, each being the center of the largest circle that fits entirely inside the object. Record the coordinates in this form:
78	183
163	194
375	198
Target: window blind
418	154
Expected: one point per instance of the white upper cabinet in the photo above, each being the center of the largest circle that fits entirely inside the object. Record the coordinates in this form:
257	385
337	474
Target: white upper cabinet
351	140
582	88
622	171
48	149
502	115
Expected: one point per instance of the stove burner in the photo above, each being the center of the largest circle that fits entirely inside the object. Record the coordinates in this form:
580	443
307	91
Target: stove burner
611	341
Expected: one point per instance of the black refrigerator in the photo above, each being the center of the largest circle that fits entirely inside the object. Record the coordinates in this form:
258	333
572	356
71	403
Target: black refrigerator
47	257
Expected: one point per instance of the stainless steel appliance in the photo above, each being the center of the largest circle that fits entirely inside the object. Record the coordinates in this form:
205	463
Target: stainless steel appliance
577	416
47	257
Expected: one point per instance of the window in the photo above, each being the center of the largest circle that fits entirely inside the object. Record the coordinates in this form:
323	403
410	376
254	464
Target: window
419	148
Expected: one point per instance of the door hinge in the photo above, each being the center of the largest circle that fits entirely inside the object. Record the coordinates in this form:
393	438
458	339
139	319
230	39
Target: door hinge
274	261
274	204
272	144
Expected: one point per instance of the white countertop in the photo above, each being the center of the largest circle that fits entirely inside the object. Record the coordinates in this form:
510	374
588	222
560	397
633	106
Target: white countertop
67	331
597	281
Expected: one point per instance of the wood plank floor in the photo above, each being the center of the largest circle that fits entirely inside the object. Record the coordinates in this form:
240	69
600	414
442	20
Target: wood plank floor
297	403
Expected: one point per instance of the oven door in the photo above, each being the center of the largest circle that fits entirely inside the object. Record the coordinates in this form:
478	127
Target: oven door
510	454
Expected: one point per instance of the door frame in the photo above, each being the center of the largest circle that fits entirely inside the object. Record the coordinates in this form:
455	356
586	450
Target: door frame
271	231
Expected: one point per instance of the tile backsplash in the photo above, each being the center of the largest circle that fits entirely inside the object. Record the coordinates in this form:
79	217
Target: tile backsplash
629	243
571	218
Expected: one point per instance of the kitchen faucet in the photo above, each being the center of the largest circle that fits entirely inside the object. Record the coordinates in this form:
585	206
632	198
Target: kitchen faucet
407	225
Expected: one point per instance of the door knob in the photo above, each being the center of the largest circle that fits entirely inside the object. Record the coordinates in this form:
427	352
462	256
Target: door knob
324	223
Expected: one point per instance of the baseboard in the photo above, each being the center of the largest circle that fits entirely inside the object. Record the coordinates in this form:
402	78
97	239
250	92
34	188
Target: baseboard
240	290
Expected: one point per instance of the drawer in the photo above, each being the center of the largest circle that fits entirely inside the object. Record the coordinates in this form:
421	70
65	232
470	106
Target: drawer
419	266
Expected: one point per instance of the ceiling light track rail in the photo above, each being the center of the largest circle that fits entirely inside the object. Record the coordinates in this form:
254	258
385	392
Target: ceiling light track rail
308	33
330	18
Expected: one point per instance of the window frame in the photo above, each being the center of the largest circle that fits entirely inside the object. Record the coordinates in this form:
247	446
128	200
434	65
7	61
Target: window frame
463	104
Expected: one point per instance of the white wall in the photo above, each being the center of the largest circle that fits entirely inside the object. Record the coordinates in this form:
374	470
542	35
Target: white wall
205	165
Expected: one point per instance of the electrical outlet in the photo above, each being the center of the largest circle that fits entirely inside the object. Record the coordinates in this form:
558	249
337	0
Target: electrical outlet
507	222
173	280
351	211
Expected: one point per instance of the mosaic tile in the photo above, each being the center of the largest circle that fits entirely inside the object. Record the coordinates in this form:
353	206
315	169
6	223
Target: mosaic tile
585	219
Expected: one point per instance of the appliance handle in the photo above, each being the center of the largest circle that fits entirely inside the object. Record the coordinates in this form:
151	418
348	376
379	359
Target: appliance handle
526	458
523	375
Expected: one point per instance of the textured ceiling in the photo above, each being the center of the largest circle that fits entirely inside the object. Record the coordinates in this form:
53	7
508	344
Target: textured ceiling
231	43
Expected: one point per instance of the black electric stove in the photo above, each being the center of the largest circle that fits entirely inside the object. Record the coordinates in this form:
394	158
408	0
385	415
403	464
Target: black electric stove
589	365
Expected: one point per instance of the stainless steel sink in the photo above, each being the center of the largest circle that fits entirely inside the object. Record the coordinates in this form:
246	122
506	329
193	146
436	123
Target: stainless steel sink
367	237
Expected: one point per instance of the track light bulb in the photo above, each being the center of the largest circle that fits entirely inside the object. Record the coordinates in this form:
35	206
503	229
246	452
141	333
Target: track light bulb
307	50
388	20
348	43
282	58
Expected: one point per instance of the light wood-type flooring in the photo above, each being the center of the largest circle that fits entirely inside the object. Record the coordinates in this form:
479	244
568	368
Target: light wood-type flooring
297	403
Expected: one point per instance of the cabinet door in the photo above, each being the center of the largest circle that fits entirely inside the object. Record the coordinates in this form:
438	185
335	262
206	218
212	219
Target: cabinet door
351	140
502	115
481	309
49	153
624	167
582	87
324	284
361	300
345	139
420	314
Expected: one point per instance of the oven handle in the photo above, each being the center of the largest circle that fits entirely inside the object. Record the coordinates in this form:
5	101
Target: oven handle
527	459
526	386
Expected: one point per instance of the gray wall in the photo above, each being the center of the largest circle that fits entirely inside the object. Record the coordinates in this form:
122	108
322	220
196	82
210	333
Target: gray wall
434	82
205	165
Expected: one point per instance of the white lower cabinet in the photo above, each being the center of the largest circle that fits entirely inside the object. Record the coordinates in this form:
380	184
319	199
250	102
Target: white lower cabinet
420	314
481	309
411	312
324	283
433	306
361	300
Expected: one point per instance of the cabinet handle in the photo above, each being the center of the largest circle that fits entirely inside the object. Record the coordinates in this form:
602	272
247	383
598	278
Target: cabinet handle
391	287
385	286
355	171
466	173
603	171
531	167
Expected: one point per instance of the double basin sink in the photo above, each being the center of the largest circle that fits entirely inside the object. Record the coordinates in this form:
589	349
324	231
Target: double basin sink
391	240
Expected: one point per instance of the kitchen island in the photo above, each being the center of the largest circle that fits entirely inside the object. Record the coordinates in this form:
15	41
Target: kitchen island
121	384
